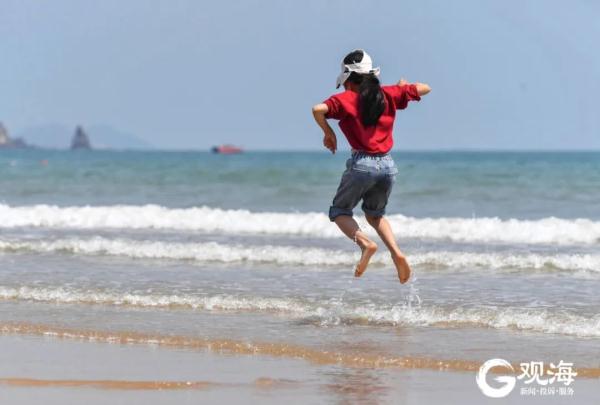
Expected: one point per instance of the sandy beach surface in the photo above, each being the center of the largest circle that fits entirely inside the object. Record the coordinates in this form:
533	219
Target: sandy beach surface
58	371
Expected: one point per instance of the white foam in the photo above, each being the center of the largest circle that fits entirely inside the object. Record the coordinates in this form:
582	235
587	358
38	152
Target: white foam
328	311
198	252
293	255
543	231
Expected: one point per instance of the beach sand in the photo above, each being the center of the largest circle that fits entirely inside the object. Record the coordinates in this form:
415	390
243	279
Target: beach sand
58	370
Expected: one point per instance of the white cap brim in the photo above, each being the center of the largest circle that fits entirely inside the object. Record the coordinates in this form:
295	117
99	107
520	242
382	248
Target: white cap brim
342	77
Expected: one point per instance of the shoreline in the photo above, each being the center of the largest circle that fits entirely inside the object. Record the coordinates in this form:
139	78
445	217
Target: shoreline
248	348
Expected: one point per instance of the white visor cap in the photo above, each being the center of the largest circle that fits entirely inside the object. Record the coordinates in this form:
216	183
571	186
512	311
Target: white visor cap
365	66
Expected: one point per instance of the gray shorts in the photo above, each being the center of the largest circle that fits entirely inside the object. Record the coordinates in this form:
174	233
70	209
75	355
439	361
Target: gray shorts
367	177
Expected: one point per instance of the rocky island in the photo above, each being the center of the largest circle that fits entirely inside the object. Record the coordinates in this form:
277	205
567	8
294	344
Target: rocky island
6	142
80	140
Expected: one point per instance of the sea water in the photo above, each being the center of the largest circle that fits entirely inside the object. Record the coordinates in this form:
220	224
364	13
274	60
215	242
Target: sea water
505	249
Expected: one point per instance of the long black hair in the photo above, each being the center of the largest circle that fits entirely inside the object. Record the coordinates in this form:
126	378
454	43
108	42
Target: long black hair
370	101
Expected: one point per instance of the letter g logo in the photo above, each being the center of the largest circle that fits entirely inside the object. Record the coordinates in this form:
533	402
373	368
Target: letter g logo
488	390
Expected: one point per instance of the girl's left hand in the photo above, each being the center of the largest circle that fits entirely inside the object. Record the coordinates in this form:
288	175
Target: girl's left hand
330	141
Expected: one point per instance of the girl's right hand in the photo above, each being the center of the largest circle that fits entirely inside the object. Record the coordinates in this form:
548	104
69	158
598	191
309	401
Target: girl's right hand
330	141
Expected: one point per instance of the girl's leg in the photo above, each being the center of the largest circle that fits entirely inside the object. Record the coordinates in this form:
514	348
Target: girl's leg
348	225
384	230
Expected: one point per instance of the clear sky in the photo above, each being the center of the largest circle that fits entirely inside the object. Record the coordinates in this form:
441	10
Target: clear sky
180	74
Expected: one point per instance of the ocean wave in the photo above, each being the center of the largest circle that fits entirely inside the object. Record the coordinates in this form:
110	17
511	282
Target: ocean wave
205	219
328	312
293	255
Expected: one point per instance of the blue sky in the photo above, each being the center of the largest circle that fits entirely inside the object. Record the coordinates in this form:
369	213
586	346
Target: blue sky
191	74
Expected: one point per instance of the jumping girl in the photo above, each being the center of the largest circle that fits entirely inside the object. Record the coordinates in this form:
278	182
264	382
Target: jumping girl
366	113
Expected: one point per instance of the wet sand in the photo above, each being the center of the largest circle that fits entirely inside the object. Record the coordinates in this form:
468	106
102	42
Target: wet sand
72	369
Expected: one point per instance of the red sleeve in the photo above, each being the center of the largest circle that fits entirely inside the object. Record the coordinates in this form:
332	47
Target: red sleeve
403	94
335	108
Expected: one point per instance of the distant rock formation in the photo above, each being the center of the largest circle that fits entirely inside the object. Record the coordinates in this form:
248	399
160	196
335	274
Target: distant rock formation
80	140
7	142
4	138
59	136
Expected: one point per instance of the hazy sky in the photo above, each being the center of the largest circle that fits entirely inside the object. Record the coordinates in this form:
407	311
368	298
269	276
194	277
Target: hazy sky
190	74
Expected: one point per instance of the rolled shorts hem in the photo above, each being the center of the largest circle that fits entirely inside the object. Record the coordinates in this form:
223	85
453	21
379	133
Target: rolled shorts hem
336	212
374	213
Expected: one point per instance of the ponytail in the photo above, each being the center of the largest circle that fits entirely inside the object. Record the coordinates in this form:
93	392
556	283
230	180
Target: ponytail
370	102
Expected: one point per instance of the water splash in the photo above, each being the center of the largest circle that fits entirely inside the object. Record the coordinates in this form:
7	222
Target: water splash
413	300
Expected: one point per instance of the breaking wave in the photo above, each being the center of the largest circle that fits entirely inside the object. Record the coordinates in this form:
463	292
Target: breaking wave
326	312
542	231
292	255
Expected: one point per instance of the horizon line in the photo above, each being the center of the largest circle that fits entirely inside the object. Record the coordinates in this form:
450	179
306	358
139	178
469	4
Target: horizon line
251	150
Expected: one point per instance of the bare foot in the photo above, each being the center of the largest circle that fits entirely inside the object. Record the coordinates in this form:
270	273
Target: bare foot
368	248
402	267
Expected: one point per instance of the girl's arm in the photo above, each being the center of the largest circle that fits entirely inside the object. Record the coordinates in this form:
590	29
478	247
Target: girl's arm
422	88
329	139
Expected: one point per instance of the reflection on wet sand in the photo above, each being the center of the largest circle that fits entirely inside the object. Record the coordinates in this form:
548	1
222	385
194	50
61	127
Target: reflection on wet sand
357	386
